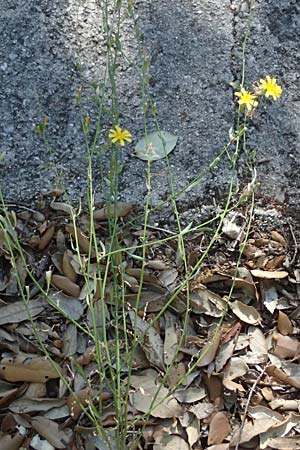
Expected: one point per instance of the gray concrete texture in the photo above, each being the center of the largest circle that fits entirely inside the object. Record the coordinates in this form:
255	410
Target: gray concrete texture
48	48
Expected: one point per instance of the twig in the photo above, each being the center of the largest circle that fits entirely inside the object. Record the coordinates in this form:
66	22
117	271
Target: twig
248	404
295	243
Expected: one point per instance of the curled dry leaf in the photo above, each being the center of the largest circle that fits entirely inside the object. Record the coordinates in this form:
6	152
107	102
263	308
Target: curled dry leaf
235	368
7	442
50	431
270	275
67	267
150	340
79	236
278	238
60	206
122	209
46	237
219	428
281	375
247	314
66	285
209	351
284	325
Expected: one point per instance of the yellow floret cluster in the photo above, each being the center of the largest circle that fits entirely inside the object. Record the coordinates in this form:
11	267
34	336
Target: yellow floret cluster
267	87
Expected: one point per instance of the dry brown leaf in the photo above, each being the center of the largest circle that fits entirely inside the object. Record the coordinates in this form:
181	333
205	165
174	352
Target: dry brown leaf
202	410
284	325
190	395
50	431
270	275
46	237
25	405
150	393
202	300
18	312
285	443
279	429
170	442
37	370
235	368
122	209
219	428
247	314
209	350
67	267
275	262
150	340
60	206
82	397
280	375
251	429
170	342
78	235
278	238
193	431
7	442
286	346
218	447
66	285
157	264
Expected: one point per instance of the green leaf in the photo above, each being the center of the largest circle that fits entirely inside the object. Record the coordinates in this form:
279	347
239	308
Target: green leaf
156	145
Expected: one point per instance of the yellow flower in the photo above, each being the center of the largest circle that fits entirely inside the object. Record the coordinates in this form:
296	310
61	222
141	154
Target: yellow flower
246	99
120	136
270	87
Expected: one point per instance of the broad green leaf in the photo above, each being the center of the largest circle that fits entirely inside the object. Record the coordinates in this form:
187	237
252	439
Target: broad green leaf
156	145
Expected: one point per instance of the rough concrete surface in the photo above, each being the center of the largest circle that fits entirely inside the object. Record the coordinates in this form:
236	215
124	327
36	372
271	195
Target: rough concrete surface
48	48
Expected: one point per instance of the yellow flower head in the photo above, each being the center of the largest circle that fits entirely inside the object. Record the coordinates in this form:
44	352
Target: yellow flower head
247	99
270	87
118	135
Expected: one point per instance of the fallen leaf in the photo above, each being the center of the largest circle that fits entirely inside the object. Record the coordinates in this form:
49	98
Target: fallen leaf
8	442
122	209
36	370
286	346
209	350
170	342
150	340
50	431
247	314
270	275
67	267
18	312
284	325
190	395
152	397
219	428
66	285
278	238
46	237
171	442
202	410
79	237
